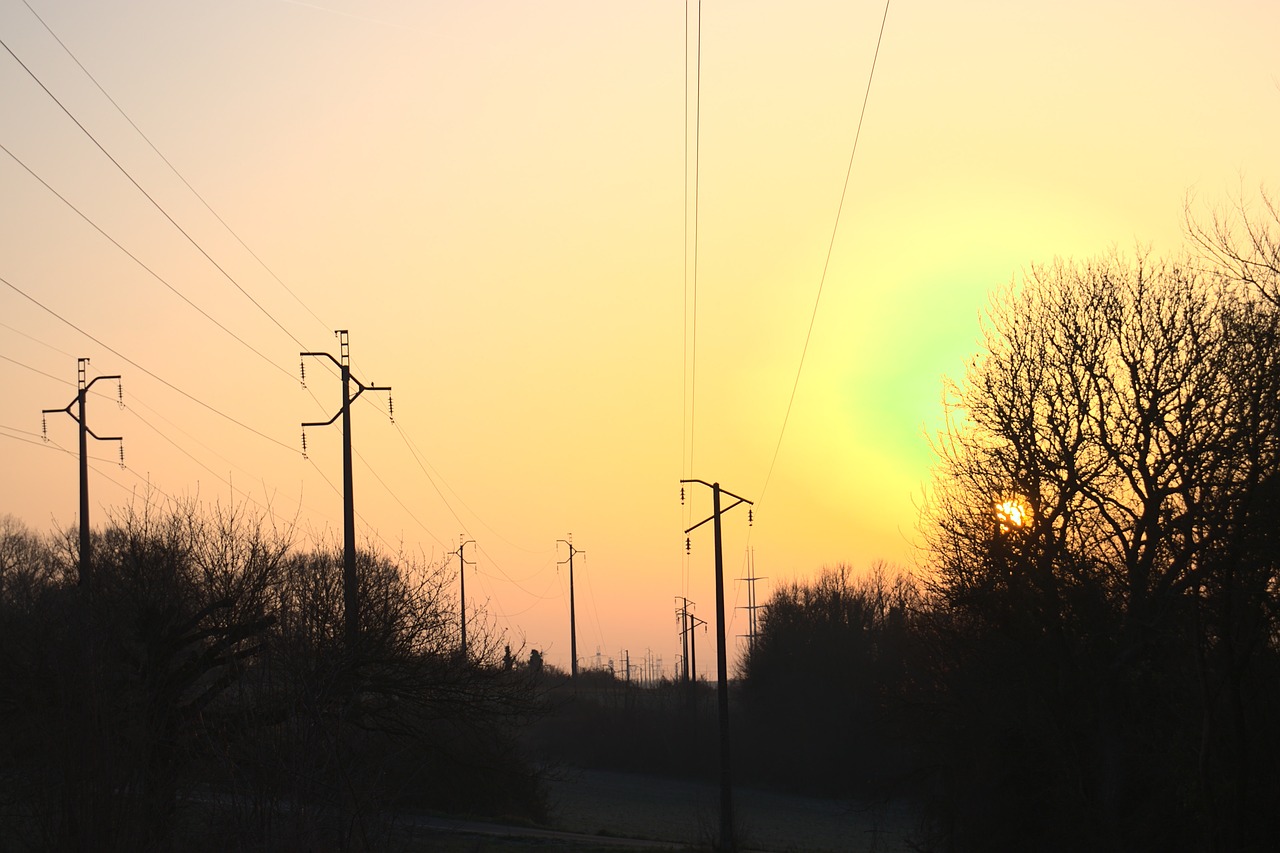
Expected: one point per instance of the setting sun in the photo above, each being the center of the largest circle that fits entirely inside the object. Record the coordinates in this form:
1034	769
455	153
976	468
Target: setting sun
1011	514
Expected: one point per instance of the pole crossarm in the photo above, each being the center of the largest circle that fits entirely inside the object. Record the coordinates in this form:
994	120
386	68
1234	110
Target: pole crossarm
76	418
723	490
738	500
360	388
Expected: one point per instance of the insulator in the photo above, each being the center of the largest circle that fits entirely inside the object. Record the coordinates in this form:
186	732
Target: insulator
122	455
391	408
44	429
302	369
304	444
119	393
688	548
750	517
682	496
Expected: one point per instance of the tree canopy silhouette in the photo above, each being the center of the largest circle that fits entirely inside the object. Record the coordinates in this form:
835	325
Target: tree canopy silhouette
1111	654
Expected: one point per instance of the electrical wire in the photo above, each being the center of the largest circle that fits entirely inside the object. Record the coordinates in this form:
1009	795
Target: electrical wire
226	480
140	263
188	185
36	340
148	196
135	364
396	498
424	464
35	370
595	610
827	262
134	413
172	167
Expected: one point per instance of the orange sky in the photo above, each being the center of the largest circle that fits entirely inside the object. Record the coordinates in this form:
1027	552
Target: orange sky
492	197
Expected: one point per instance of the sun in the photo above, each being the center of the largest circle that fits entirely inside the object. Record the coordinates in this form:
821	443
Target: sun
1012	514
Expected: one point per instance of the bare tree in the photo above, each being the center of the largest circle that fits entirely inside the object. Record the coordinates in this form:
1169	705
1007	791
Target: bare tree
1098	528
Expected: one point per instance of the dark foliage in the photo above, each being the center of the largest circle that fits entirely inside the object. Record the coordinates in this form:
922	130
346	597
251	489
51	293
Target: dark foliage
1106	651
602	722
200	689
824	685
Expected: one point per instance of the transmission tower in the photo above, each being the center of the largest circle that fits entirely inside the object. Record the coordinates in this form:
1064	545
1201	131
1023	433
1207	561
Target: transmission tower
751	606
78	416
350	590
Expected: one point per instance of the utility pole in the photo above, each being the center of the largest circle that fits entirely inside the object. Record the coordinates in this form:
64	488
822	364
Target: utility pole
751	607
573	619
727	841
350	591
462	588
694	622
78	416
682	612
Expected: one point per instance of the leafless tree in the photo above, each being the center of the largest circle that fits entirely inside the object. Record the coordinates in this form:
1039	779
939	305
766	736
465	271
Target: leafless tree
1099	527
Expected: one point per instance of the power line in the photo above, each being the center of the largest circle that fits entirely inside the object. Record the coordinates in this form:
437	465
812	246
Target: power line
172	168
227	480
420	458
35	370
125	358
697	193
132	411
827	262
595	610
396	498
147	195
421	462
140	263
37	340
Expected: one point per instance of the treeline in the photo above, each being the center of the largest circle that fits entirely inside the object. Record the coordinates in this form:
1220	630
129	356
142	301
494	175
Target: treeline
199	694
1090	657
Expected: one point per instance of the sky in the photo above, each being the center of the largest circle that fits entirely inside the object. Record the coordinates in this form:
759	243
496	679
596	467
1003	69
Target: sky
583	242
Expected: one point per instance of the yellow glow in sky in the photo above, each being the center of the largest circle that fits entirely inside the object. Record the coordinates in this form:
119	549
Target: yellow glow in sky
497	200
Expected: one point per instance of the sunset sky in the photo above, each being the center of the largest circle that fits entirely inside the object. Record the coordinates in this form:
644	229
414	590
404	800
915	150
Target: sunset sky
498	201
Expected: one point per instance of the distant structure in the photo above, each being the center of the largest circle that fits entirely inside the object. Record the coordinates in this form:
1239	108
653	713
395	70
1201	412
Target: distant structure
751	606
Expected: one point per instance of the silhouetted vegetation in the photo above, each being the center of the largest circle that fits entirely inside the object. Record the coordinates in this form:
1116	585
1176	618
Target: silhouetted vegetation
821	688
198	694
604	722
1108	660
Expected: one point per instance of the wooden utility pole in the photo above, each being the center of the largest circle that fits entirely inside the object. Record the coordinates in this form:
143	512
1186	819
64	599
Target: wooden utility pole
682	612
462	588
573	620
79	417
350	589
694	622
727	841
